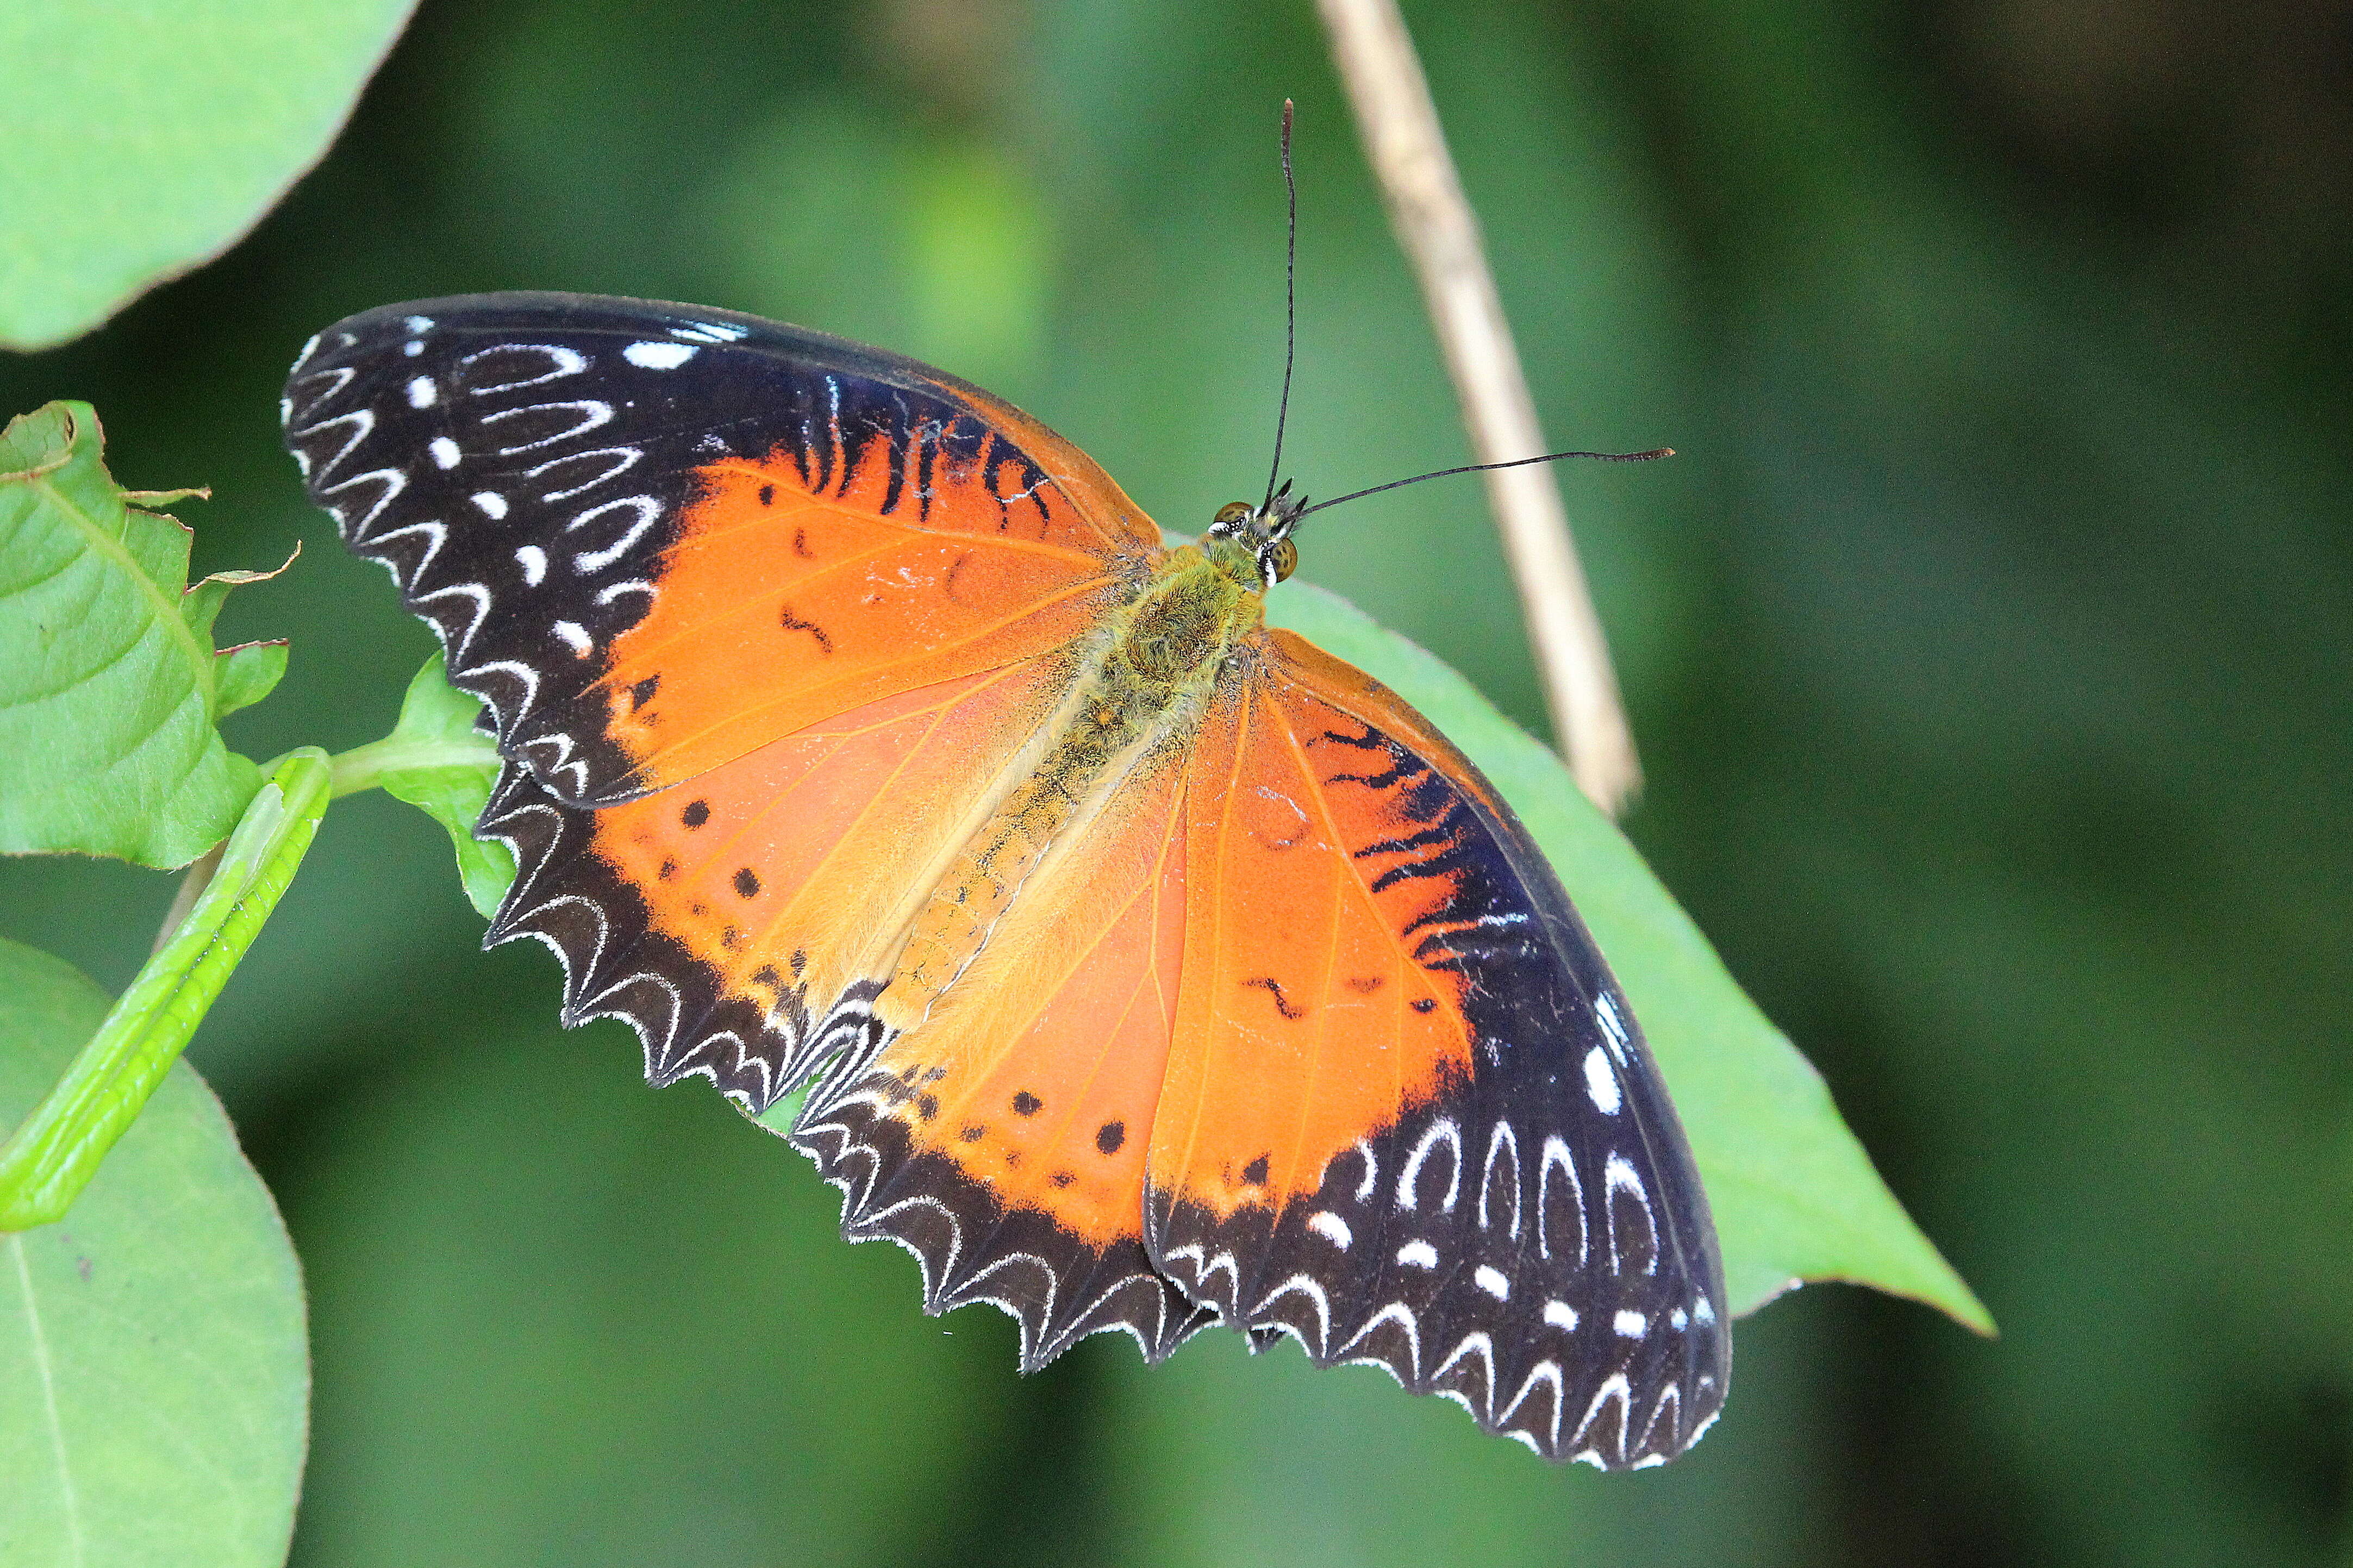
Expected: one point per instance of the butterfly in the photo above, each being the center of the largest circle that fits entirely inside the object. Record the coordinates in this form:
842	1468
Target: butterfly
1144	967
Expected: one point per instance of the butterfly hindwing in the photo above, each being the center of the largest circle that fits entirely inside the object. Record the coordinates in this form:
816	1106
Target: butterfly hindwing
1408	1118
1002	1138
653	537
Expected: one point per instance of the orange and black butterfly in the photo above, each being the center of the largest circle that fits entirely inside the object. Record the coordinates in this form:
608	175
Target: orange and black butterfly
1146	967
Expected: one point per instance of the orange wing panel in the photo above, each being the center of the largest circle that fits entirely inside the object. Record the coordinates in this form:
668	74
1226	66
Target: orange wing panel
1305	1023
1039	1075
788	870
782	605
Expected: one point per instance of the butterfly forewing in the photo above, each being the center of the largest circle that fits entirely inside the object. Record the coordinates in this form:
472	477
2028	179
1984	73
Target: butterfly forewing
1408	1118
653	538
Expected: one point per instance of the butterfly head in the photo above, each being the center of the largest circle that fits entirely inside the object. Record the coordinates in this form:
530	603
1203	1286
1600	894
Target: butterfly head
1261	532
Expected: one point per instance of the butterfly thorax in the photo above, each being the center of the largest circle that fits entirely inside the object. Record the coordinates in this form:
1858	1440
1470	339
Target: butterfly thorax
1139	698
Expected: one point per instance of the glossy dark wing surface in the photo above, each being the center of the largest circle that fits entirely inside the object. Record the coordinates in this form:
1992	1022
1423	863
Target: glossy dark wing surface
654	537
1408	1118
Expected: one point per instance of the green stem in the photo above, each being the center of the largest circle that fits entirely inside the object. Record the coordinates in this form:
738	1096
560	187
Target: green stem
365	767
49	1160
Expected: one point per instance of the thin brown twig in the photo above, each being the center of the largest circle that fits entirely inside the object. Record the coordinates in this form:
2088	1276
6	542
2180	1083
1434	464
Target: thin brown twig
1440	236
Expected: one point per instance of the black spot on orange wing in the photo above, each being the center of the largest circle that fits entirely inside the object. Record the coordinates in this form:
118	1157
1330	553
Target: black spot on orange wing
1274	988
1255	1171
792	622
696	813
1109	1136
747	882
1027	1104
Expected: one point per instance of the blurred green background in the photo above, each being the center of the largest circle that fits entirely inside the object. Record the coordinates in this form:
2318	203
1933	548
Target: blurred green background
1989	647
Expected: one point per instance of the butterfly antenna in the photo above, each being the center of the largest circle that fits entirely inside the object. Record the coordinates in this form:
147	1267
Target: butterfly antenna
1289	308
1482	468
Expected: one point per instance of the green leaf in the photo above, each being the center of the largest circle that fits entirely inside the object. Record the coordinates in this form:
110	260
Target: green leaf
144	140
1795	1196
110	685
154	1381
436	760
245	674
619	1331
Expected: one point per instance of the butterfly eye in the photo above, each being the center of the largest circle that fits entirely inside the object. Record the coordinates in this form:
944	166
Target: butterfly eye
1284	557
1232	512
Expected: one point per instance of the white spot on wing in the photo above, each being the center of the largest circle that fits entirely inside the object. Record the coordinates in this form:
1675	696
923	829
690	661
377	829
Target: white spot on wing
535	564
1600	1082
1560	1315
1631	1323
1332	1229
1619	1176
1614	1387
574	635
444	450
1443	1128
649	511
1501	1141
1491	1281
420	392
1556	1154
622	459
561	362
1418	1254
592	415
1613	1024
491	503
658	356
